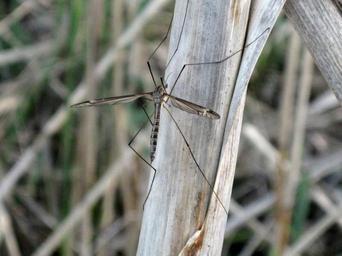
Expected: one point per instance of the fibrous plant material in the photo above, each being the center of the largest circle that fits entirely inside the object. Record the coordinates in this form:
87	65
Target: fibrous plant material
181	203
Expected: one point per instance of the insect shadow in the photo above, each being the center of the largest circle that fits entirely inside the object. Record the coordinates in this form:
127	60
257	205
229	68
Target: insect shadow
160	97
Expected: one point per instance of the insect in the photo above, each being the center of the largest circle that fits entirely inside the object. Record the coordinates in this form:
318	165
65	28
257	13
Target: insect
160	97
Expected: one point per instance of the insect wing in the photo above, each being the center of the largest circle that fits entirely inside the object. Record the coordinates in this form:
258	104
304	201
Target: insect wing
113	100
193	108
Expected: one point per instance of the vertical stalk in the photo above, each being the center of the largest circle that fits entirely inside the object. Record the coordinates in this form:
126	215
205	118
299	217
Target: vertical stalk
183	215
6	230
88	127
321	36
117	88
293	177
285	133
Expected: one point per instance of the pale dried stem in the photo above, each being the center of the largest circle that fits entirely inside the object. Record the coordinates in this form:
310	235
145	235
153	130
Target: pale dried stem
8	232
201	227
127	184
9	104
285	133
28	52
292	177
40	213
256	240
323	200
319	167
265	147
118	134
287	100
32	74
248	212
321	36
323	103
299	128
111	233
325	165
254	224
87	140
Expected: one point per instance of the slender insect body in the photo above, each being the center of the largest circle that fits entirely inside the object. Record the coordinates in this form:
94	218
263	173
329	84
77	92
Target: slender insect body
155	130
158	95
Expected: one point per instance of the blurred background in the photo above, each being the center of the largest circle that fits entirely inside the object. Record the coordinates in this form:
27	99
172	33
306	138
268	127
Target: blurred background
70	185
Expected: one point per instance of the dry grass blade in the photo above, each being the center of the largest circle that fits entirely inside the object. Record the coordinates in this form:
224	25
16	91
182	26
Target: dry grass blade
221	139
288	181
247	213
322	36
119	138
285	134
111	233
289	87
322	199
300	124
87	139
28	52
264	146
9	104
8	232
48	220
253	244
253	223
259	20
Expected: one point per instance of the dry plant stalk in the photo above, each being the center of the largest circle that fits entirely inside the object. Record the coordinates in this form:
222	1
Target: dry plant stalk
291	139
6	229
27	53
182	215
87	140
249	212
321	36
285	133
117	141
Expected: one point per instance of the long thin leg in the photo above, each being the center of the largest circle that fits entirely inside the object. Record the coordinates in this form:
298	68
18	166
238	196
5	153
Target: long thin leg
163	40
151	73
141	157
193	157
147	115
215	62
155	50
180	36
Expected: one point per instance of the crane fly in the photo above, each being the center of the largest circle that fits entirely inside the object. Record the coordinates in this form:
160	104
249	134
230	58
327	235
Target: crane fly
159	96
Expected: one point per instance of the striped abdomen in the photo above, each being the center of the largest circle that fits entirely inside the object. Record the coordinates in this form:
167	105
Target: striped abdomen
155	130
